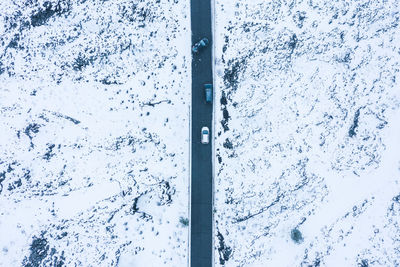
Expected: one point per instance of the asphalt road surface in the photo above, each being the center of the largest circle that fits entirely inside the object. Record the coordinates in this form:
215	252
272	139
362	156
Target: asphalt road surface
201	246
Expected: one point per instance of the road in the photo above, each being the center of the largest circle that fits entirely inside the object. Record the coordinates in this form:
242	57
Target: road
201	246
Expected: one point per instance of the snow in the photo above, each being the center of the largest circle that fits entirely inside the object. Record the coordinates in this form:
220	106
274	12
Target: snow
94	112
94	119
307	133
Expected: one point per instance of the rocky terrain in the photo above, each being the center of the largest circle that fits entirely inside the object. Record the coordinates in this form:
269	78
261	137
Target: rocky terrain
94	112
307	133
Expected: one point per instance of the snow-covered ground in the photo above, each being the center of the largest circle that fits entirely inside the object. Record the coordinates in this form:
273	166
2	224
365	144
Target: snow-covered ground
94	110
307	133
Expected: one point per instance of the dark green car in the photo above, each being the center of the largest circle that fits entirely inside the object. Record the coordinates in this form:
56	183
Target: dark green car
200	45
208	92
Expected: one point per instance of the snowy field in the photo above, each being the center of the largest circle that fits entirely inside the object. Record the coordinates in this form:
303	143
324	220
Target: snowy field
307	133
94	110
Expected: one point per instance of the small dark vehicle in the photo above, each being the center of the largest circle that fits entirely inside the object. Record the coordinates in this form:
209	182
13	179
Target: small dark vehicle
208	92
199	45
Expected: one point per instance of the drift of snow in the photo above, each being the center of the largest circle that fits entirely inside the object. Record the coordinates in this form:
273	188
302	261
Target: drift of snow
94	110
307	133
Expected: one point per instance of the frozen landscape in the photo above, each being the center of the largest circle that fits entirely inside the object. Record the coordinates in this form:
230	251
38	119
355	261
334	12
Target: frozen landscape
94	119
307	135
94	139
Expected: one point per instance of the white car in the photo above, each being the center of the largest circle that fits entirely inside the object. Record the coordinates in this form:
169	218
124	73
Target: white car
205	135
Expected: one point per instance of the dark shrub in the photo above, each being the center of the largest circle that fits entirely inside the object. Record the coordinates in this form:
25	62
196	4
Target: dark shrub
296	236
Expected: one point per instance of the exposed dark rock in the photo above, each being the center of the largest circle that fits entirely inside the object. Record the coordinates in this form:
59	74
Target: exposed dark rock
224	122
14	185
225	113
134	207
31	130
14	42
39	250
317	262
166	193
136	12
225	47
223	250
363	263
2	178
109	81
27	175
145	216
152	104
81	62
48	10
49	153
2	70
223	99
231	75
292	42
74	121
353	127
228	144
395	199
299	18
